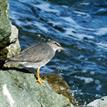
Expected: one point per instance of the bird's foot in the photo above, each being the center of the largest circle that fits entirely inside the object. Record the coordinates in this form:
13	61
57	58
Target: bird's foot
40	81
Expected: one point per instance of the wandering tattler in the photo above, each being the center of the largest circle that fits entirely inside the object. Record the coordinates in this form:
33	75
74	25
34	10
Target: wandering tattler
37	56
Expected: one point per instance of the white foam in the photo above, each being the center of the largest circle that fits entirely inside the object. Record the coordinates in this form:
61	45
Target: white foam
86	79
41	26
102	45
46	7
82	36
98	88
69	31
54	23
8	96
70	20
85	3
101	10
82	13
101	31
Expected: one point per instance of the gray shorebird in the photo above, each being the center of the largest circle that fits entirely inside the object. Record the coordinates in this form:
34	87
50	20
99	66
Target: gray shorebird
37	56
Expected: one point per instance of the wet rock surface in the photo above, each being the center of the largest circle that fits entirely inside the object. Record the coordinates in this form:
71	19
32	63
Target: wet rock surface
18	89
60	86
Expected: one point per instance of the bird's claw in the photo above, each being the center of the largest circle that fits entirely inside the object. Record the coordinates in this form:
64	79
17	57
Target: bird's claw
40	81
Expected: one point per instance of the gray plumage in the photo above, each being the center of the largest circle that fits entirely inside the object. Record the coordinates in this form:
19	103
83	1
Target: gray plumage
37	55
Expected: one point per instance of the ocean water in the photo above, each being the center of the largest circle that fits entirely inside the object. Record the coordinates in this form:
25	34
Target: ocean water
80	26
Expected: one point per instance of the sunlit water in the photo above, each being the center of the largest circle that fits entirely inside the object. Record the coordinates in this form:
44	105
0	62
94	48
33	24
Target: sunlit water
81	28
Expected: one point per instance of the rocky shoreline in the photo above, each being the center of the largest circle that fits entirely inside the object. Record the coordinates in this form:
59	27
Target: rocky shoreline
20	89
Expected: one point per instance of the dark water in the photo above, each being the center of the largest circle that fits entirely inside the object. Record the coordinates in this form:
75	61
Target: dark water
81	28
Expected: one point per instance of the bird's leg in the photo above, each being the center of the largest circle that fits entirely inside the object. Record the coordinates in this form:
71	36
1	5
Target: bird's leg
39	80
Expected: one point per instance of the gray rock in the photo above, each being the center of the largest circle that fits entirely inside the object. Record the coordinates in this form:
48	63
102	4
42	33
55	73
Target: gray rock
14	47
5	28
18	89
9	44
102	102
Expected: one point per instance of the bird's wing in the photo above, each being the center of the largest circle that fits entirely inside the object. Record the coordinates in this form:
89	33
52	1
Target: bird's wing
36	53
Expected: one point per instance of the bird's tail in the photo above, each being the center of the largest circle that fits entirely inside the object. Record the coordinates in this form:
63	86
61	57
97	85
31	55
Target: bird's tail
9	62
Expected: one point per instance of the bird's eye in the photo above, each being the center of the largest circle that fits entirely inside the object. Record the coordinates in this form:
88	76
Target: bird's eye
57	44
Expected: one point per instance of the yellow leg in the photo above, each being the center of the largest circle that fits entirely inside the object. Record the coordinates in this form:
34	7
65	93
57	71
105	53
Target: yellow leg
39	80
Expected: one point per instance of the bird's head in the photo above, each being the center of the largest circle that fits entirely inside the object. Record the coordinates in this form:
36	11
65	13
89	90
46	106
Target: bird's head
55	46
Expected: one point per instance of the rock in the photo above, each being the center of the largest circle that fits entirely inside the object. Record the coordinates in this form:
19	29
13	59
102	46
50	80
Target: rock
18	89
60	86
13	48
9	44
5	29
102	102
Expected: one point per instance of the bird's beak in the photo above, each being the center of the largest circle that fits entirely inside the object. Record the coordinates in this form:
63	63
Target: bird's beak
61	49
